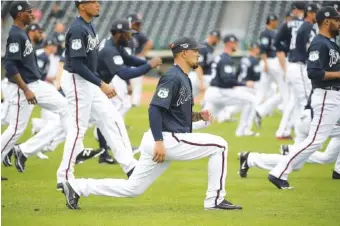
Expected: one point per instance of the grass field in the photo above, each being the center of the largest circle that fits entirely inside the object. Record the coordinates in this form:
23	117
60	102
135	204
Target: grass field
176	198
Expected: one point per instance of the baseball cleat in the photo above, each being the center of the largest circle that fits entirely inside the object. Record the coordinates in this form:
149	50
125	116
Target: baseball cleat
71	196
258	120
88	153
60	187
105	158
243	164
7	160
336	175
4	178
225	205
280	184
130	172
20	159
284	149
289	137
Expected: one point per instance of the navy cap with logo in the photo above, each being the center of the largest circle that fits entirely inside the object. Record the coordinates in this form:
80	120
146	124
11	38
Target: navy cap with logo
327	12
215	33
19	6
77	3
313	7
271	17
184	43
121	26
50	41
33	27
134	17
254	45
299	5
334	4
230	38
288	13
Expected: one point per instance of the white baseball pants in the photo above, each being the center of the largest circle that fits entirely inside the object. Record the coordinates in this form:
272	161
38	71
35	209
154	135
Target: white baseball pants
179	147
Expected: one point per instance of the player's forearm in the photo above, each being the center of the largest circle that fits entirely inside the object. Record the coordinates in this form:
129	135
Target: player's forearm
199	72
155	118
129	73
329	75
317	74
20	82
59	73
282	59
196	116
81	69
147	47
131	60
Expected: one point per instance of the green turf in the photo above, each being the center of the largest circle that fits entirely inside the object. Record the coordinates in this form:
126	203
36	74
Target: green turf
176	198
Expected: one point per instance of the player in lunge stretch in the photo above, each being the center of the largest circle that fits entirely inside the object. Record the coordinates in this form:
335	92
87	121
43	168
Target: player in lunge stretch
170	139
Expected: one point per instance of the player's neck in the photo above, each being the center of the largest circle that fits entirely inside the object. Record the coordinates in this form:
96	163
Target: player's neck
228	50
309	20
85	17
270	27
19	24
183	66
251	53
325	33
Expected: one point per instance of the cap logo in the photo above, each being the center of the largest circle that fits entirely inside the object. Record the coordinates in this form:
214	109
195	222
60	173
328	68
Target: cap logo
214	33
336	6
19	7
130	18
33	27
185	46
232	39
327	14
119	26
309	8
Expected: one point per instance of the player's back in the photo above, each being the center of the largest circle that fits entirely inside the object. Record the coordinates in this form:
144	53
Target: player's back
206	57
267	39
293	27
223	72
20	50
304	36
81	41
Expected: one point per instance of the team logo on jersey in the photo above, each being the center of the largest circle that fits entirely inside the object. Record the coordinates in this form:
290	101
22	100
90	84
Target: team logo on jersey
118	60
228	69
200	59
76	44
28	48
13	47
257	69
92	43
334	57
313	56
40	63
264	41
185	95
163	93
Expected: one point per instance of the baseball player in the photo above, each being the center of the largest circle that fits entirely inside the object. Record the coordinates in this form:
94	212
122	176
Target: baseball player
287	34
114	60
323	67
26	88
201	77
143	45
225	90
169	139
88	95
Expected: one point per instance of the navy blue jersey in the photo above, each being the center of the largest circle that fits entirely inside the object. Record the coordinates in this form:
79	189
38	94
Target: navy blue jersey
19	50
323	55
43	62
174	93
81	42
304	36
62	57
206	58
282	39
60	38
249	69
267	39
293	26
139	40
224	72
112	58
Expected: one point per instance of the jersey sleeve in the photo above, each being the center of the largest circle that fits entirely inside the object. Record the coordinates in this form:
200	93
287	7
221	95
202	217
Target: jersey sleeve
264	43
113	61
203	57
77	42
14	48
282	38
142	39
165	91
317	56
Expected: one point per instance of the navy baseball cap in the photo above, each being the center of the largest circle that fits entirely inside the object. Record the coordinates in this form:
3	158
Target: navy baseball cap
50	41
215	33
299	5
288	13
134	17
77	3
121	25
230	38
312	7
19	6
254	45
184	43
33	27
327	12
271	17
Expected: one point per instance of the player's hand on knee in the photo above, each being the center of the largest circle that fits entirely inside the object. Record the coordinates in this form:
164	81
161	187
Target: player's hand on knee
206	116
108	90
159	152
250	84
30	97
155	62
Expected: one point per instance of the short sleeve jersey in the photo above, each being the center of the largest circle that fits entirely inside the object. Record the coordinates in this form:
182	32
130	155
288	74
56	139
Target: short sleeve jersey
305	35
206	58
249	69
139	40
43	62
267	39
174	95
19	50
323	54
81	42
223	72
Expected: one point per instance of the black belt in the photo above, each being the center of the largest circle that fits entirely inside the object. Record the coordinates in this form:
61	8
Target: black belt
335	88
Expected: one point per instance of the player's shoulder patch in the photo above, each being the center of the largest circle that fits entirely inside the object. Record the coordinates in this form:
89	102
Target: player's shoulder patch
118	60
13	47
264	41
163	93
228	69
76	44
313	55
